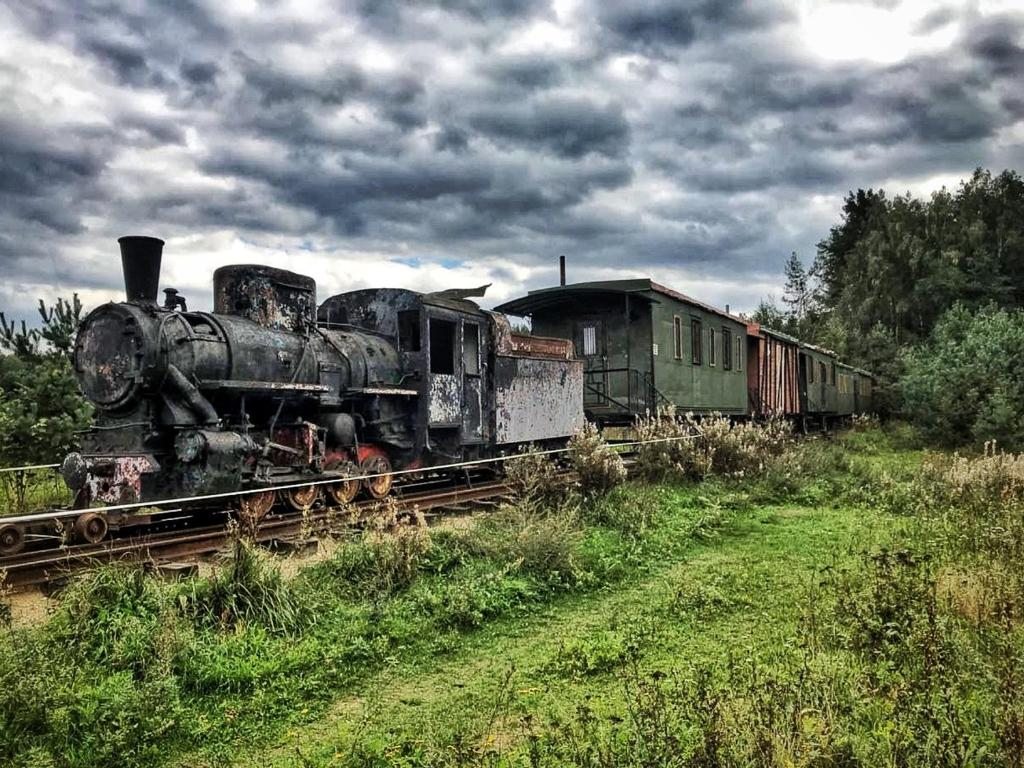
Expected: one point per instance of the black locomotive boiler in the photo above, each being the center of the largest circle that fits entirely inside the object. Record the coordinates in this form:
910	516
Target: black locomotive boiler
270	390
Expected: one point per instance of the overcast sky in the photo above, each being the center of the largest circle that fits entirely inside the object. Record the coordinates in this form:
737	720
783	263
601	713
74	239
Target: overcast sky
457	142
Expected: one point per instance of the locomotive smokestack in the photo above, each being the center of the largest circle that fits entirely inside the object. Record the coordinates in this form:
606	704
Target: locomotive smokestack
140	263
561	270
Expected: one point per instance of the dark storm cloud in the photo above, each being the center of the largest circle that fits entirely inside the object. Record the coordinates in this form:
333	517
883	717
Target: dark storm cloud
42	178
527	72
570	127
659	26
996	44
650	135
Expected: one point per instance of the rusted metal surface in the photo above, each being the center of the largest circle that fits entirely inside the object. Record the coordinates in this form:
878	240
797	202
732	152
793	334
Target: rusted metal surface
537	399
271	298
264	386
118	479
541	346
773	373
508	342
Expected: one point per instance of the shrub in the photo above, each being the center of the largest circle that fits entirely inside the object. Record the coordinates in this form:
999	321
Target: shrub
533	479
116	616
668	446
247	589
743	448
542	545
381	563
473	596
864	422
693	448
94	686
965	384
631	513
598	467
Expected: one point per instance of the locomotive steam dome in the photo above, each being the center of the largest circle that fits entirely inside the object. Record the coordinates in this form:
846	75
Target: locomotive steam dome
270	297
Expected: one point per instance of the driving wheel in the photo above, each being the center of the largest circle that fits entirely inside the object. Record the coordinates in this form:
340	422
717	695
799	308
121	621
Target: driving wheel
378	485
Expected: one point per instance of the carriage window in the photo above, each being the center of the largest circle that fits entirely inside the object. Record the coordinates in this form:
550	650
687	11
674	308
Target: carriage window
712	348
739	353
442	346
810	369
726	349
833	374
409	330
589	340
677	336
695	340
471	348
824	374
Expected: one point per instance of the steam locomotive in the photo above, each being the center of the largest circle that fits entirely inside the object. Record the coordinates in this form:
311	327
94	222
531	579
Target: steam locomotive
270	390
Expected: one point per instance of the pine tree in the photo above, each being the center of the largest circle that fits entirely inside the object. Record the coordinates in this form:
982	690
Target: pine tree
796	294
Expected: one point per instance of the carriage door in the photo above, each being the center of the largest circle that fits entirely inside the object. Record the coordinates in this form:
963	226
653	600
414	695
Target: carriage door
444	407
472	356
590	345
804	384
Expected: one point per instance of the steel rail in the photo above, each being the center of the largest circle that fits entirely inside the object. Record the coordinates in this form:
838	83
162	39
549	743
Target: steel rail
41	567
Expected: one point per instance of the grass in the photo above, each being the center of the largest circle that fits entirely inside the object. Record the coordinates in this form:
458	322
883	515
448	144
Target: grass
32	490
776	620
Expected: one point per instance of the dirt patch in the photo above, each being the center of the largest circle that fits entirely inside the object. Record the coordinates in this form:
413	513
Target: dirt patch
29	608
292	564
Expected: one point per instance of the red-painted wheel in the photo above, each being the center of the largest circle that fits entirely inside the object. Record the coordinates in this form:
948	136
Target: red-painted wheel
378	485
344	491
301	499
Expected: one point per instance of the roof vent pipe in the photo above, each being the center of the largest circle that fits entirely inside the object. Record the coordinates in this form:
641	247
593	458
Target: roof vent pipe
140	263
561	270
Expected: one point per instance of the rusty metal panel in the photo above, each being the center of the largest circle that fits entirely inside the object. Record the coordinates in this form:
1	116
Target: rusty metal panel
778	391
270	297
541	346
445	402
509	343
537	399
118	479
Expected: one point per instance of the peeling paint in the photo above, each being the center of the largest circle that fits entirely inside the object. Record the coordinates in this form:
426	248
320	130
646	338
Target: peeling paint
118	479
271	298
537	399
445	400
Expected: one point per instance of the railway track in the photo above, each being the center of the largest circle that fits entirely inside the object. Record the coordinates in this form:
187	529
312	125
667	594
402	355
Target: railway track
177	539
49	566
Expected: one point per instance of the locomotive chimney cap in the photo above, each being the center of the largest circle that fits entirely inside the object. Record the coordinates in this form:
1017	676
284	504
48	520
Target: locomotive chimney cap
140	240
140	263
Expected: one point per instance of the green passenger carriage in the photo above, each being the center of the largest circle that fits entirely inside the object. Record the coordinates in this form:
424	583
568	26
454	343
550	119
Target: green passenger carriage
644	346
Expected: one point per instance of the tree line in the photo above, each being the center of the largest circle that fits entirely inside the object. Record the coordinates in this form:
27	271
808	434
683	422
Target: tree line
927	294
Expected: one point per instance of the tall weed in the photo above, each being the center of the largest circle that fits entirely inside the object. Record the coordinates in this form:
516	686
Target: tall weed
598	467
381	562
689	447
248	589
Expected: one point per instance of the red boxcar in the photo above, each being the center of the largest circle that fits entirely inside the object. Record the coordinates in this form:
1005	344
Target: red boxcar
772	372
